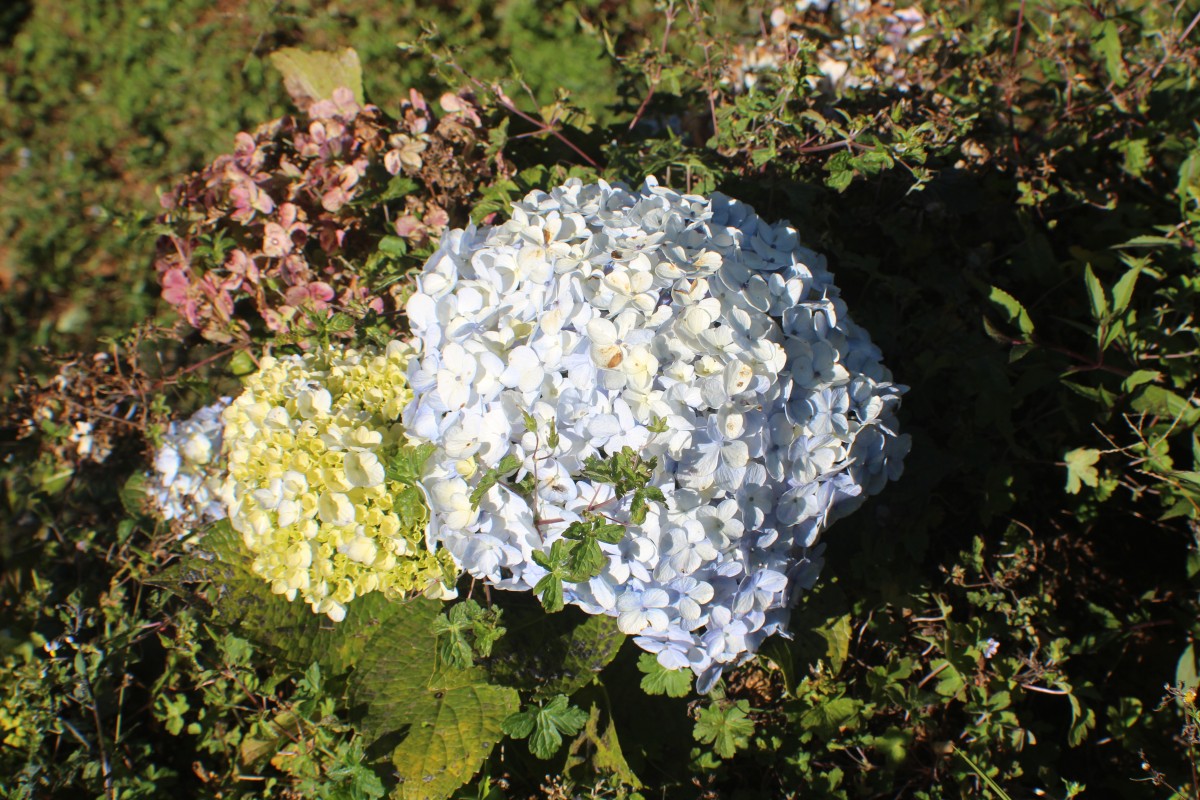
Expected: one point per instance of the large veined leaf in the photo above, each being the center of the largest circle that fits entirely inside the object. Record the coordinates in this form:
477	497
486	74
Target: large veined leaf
450	718
556	654
218	576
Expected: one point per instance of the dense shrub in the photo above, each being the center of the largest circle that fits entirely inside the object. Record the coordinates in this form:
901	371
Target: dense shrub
1009	206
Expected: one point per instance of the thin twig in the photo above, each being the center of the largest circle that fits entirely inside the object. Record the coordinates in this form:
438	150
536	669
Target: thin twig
662	52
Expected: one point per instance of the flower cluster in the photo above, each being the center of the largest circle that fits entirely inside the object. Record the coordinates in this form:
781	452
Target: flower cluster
187	477
276	224
870	44
600	322
308	444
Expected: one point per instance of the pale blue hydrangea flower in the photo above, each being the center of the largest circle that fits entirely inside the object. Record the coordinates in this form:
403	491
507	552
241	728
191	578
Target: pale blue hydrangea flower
604	311
188	472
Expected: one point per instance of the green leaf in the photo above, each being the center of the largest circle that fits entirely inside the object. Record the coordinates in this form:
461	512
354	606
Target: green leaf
556	563
340	323
586	561
1108	45
1136	153
549	590
893	744
133	495
611	533
987	781
1140	377
242	364
1161	402
407	464
725	726
1123	290
1016	312
657	679
1083	719
1095	294
312	76
218	578
1185	669
553	655
546	725
603	751
829	716
450	719
465	629
1081	469
587	649
837	635
508	465
1146	241
399	186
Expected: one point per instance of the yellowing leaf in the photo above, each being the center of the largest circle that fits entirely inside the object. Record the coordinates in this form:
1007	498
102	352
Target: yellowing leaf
450	718
1081	469
312	76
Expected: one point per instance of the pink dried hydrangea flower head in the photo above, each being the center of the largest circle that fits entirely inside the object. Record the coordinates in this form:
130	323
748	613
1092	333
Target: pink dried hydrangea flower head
277	232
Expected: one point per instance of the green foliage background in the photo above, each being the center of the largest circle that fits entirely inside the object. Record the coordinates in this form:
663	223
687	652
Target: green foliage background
1016	616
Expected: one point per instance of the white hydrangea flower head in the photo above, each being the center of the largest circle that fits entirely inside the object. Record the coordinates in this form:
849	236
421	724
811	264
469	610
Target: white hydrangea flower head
307	443
869	45
188	472
684	328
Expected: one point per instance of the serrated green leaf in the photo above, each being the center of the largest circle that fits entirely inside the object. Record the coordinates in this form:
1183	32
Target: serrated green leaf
727	727
340	323
553	655
828	716
1081	469
549	589
611	533
1013	308
508	465
407	464
1096	294
657	679
312	76
1123	290
1083	719
546	725
451	718
586	561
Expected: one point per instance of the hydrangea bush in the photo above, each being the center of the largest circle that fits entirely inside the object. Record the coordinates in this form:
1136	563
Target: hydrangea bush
601	336
308	444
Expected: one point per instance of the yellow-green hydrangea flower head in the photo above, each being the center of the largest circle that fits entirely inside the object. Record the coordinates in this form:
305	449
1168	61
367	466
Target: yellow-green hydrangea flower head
307	443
